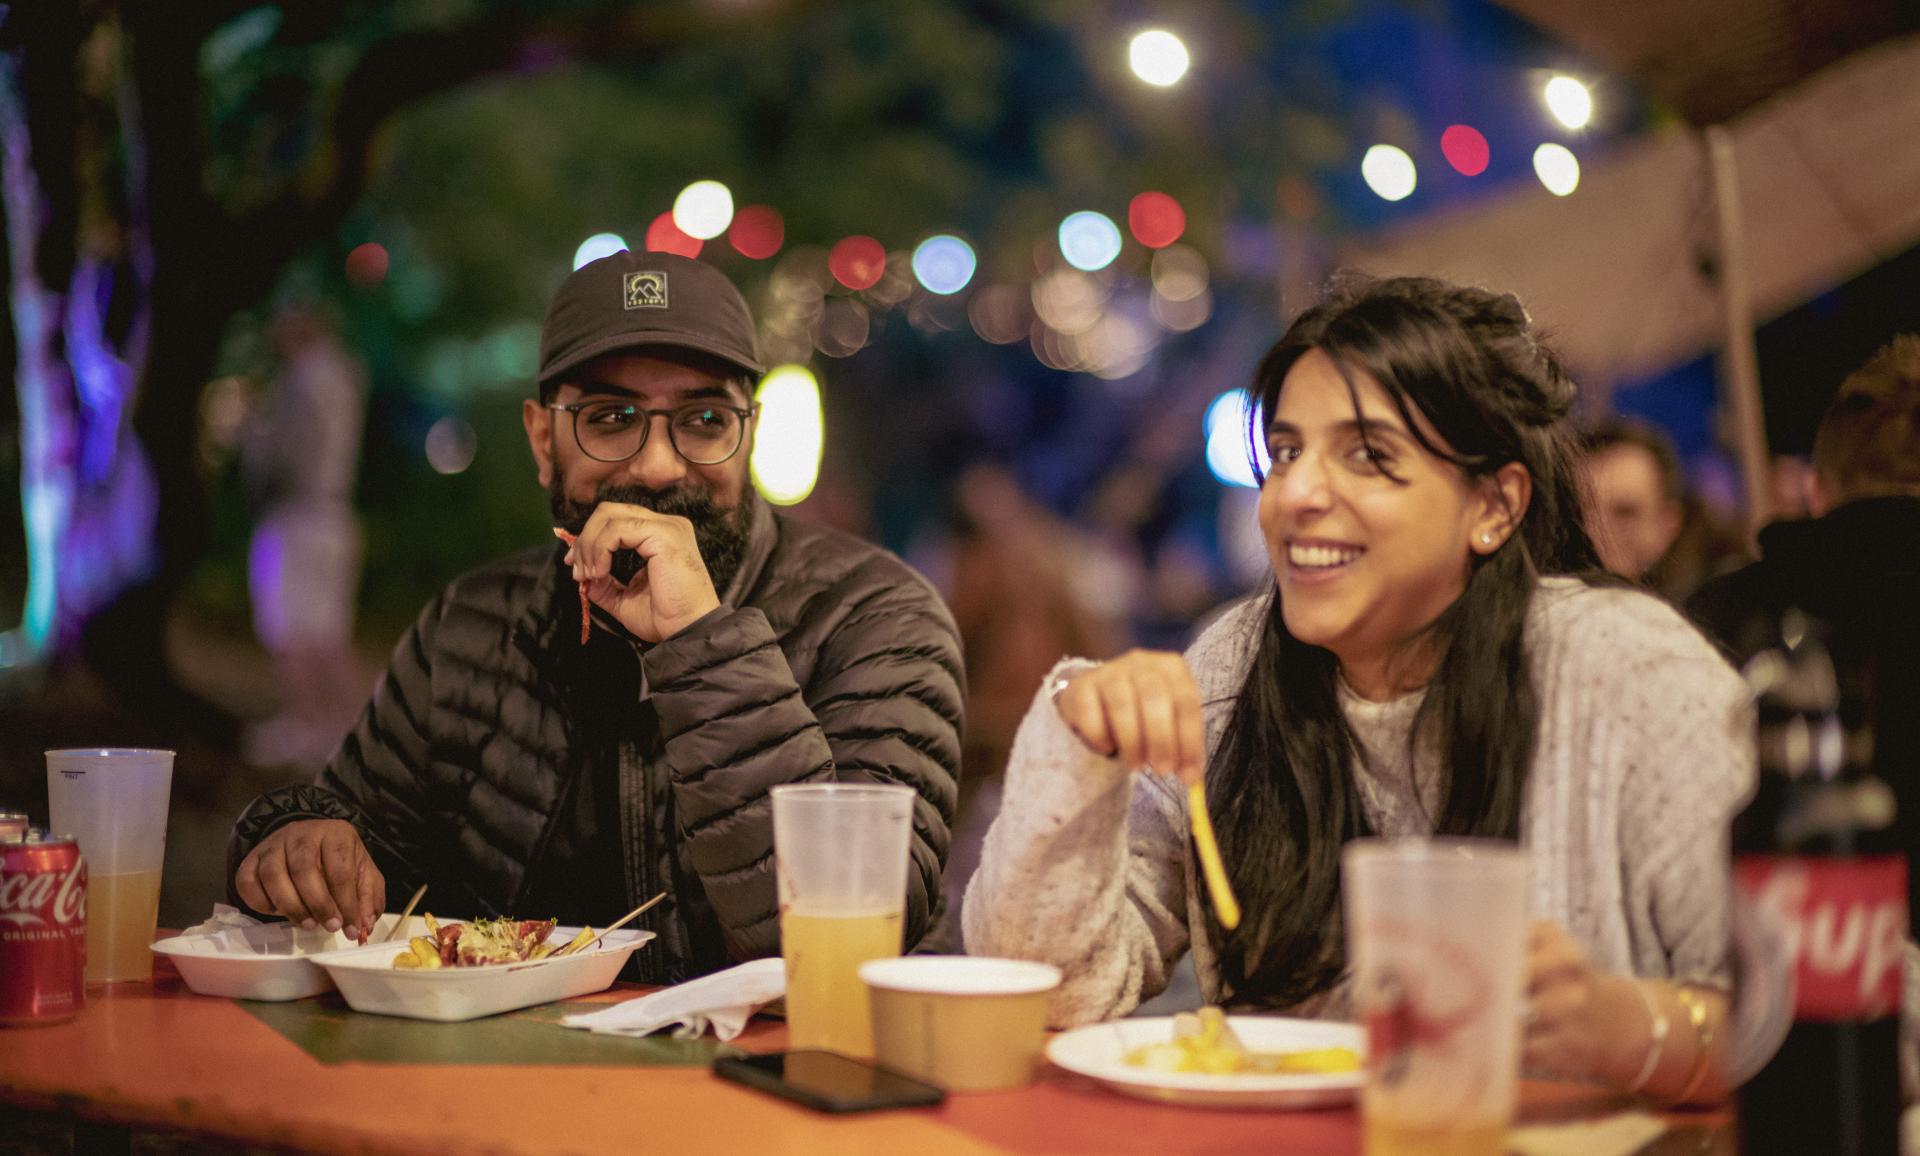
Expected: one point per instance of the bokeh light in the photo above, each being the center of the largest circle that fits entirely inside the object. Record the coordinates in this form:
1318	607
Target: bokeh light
791	434
757	231
1116	348
703	209
1001	314
944	264
1158	57
1465	149
597	246
663	236
1089	240
1156	219
1570	102
845	326
1226	428
367	265
857	262
451	445
1179	273
1183	315
1069	301
1557	168
897	284
1388	172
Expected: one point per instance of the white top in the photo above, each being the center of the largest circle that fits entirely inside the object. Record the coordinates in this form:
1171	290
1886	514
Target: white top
1643	754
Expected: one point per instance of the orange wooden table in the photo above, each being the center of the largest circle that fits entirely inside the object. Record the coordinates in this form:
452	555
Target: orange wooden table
157	1056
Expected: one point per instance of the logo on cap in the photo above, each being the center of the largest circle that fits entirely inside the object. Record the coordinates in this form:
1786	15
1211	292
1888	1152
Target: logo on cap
646	290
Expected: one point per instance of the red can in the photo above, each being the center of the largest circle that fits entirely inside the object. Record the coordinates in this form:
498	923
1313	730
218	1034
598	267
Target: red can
43	929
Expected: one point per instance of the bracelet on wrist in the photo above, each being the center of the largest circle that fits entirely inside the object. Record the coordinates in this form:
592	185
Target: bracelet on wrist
1702	1024
1658	1026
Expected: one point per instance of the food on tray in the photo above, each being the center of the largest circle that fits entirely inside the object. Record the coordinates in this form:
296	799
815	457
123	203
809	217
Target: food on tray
1205	1043
481	942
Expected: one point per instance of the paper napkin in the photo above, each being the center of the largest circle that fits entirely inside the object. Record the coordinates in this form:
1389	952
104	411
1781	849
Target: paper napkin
723	1001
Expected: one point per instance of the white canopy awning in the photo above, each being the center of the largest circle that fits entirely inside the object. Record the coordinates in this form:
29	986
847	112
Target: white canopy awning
1622	271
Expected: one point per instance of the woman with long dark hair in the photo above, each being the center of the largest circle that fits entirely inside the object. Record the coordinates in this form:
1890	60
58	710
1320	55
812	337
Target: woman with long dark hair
1438	655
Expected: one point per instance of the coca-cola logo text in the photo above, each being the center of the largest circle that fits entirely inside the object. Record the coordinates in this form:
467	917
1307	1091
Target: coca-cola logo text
1844	922
36	899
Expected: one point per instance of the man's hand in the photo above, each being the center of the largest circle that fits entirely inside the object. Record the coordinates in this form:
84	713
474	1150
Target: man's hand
1142	708
669	594
315	872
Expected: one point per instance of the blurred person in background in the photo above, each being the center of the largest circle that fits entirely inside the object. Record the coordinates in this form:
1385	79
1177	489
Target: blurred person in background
550	741
1646	525
1854	566
1431	659
1856	562
299	457
1025	588
1792	478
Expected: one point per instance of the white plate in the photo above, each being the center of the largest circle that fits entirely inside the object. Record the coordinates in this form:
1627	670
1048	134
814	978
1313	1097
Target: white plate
369	981
1099	1052
271	961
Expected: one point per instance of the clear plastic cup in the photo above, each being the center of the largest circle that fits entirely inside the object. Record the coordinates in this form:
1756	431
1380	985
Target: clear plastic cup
1436	937
113	801
840	852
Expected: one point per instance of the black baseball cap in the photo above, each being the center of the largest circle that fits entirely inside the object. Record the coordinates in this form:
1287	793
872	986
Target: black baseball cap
633	301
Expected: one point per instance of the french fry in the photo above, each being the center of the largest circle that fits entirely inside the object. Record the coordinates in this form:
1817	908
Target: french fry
1225	907
1206	1043
577	942
421	955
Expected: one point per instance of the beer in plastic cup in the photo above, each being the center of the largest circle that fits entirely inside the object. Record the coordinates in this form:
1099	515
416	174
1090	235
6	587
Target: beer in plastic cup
840	852
114	803
1436	937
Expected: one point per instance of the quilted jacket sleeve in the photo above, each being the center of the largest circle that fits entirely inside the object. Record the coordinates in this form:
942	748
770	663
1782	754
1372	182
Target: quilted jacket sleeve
882	704
374	780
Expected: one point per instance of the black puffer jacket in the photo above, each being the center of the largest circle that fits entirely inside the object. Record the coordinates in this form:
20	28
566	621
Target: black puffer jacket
829	660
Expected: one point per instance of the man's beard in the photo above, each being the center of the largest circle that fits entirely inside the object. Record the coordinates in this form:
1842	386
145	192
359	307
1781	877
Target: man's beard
721	533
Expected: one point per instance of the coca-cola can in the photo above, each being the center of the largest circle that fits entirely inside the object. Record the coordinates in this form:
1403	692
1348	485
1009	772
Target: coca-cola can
43	929
13	824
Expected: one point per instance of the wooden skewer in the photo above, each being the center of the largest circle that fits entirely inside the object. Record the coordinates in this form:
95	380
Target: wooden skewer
401	923
1224	904
614	926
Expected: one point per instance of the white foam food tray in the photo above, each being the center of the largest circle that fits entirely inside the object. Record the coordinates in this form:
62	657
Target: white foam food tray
271	961
368	980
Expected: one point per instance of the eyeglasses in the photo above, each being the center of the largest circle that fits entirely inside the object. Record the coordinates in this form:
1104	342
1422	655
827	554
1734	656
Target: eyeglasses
703	433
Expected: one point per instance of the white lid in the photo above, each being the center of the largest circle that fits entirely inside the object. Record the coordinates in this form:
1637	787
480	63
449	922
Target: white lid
960	975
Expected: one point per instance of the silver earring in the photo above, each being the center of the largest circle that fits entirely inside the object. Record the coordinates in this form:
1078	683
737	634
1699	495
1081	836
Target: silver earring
1486	539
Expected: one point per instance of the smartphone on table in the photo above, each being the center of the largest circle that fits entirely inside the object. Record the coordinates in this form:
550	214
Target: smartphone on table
828	1081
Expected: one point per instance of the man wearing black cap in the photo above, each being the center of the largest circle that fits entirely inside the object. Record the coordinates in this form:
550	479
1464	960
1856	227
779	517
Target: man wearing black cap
569	731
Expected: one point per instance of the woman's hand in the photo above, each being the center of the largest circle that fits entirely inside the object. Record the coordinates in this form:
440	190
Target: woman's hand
1582	1023
1142	708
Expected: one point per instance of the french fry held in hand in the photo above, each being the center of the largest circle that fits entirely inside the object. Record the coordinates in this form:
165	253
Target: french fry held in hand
1226	907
